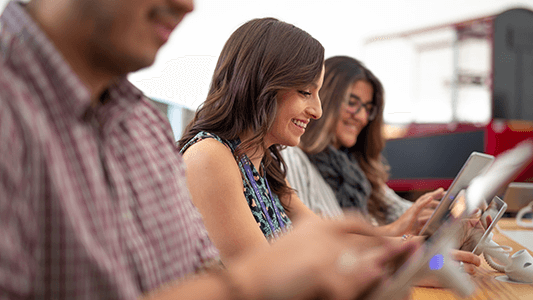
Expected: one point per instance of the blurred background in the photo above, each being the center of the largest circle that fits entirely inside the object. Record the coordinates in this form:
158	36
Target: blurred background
450	89
362	29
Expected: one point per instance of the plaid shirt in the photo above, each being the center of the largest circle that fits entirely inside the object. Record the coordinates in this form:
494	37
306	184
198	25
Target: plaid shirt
93	200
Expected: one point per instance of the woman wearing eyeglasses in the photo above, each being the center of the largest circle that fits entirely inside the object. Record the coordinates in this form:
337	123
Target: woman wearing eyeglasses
344	148
338	163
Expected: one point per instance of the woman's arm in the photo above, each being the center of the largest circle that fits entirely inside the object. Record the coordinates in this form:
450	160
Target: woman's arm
412	221
395	205
297	267
297	209
215	183
311	188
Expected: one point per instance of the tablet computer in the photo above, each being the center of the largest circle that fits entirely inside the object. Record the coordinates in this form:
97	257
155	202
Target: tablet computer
431	259
474	165
485	186
487	218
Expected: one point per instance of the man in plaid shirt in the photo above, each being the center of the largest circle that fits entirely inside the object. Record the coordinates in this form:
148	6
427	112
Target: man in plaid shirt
93	199
91	192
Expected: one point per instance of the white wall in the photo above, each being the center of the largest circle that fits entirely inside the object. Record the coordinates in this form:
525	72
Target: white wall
184	65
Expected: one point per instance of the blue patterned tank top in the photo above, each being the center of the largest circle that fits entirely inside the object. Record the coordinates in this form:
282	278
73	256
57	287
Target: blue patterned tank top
249	192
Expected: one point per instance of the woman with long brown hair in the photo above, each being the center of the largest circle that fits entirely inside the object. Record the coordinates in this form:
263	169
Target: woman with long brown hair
345	148
263	93
338	164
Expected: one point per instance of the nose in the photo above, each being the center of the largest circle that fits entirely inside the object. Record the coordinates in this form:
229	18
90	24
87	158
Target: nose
361	115
315	108
183	6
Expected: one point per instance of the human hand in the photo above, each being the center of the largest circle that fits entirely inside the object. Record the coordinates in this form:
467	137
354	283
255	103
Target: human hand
318	259
471	233
413	219
470	264
470	260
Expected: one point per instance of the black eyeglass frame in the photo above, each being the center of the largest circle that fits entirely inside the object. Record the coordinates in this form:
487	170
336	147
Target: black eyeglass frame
370	108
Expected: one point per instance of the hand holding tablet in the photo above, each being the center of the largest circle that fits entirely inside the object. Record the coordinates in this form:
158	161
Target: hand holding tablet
447	224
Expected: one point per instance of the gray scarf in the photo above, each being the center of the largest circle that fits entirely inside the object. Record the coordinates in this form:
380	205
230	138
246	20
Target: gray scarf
344	175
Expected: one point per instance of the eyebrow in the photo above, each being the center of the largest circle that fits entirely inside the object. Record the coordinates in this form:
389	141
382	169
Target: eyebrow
355	96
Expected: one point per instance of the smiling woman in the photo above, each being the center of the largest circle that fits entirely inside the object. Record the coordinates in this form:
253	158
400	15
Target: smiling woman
348	139
263	94
295	109
344	148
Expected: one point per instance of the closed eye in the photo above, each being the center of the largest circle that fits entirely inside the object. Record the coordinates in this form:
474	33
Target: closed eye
306	94
353	102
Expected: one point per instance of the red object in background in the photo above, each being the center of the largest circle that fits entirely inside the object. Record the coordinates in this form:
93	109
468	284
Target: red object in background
502	135
422	184
427	156
422	130
498	136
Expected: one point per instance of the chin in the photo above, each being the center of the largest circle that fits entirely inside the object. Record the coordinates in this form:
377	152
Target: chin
141	62
348	143
291	143
140	58
126	65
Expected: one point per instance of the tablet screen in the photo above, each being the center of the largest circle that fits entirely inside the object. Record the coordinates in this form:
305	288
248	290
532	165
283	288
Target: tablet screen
476	164
481	224
507	166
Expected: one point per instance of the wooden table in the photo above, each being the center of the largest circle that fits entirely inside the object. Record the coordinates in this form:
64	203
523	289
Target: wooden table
487	287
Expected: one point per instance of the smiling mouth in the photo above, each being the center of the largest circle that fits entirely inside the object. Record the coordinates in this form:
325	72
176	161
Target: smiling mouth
163	31
164	21
299	123
351	126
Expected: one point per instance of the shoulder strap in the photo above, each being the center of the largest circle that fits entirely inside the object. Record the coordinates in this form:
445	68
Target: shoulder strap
202	135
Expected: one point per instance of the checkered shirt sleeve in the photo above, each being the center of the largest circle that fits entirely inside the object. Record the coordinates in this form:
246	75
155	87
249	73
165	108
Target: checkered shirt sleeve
93	200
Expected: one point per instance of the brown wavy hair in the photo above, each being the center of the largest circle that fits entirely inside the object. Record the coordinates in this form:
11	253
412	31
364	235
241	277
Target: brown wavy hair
341	72
260	58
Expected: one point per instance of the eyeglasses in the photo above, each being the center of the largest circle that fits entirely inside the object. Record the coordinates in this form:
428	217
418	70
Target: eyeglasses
354	105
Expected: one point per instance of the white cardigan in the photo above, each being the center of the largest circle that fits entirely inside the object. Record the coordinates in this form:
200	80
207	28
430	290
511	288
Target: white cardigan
316	194
310	187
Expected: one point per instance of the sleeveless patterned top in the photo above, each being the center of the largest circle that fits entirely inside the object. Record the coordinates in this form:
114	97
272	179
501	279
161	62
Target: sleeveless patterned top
249	192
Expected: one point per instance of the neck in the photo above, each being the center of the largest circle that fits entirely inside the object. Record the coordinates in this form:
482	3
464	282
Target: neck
69	36
255	154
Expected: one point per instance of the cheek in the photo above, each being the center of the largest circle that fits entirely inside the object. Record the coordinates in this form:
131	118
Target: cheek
277	126
364	122
344	135
339	130
116	34
283	116
132	24
135	35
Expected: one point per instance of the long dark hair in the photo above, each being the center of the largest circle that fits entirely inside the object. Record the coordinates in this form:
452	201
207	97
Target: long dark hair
341	72
260	58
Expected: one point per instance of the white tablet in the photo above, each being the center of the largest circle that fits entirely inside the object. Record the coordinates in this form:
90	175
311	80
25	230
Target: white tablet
431	260
474	165
487	220
485	186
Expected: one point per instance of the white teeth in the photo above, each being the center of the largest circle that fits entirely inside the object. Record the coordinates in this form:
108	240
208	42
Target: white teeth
299	123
